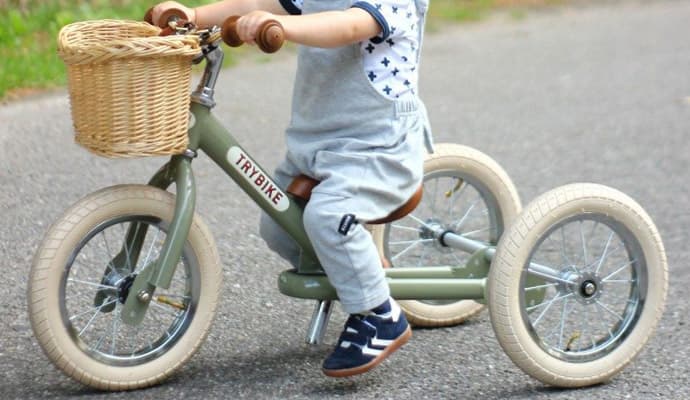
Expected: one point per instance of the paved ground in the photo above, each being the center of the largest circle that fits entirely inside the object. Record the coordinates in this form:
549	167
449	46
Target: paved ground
597	92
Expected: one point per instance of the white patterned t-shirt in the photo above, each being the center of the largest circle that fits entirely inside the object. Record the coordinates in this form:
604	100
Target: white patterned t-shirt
390	59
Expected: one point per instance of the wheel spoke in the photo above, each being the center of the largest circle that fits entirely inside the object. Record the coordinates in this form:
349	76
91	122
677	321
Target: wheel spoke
107	248
548	285
603	255
584	247
95	315
127	253
79	294
166	309
548	305
584	329
132	268
117	316
148	254
618	270
100	341
564	257
467	213
404	228
98	285
451	202
433	201
408	248
621	281
97	308
468	234
560	335
420	221
600	304
546	273
421	256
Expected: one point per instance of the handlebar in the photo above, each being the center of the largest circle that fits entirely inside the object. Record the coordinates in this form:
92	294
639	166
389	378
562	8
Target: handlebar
169	15
270	36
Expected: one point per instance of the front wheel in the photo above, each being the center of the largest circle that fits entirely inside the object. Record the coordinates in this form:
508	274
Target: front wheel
466	192
577	285
81	278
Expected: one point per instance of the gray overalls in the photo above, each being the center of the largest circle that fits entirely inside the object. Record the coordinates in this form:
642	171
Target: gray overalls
367	151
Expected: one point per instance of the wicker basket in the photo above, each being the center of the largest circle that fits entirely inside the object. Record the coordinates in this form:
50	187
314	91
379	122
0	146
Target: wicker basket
128	87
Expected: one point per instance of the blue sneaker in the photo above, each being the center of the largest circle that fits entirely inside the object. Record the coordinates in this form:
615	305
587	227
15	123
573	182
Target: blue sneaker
367	340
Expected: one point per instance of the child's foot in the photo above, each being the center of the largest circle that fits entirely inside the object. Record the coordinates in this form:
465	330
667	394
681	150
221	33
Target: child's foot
367	340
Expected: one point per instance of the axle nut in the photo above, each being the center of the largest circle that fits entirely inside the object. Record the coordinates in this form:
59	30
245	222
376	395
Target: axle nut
144	296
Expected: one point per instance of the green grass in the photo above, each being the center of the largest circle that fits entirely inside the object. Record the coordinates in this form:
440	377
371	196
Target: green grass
28	35
29	28
476	10
460	10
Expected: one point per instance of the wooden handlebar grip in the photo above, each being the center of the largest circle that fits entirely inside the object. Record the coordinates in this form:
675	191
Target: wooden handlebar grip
271	36
269	39
148	17
229	32
172	14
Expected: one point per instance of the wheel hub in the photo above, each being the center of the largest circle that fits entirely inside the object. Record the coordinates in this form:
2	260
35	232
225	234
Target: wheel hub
430	230
124	287
587	288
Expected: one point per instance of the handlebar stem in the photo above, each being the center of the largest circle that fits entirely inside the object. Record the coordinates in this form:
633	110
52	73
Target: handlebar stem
205	90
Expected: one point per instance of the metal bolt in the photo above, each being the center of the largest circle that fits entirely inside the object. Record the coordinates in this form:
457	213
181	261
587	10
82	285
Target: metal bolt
589	288
144	296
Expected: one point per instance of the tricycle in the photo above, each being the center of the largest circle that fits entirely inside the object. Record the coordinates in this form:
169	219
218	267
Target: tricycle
125	284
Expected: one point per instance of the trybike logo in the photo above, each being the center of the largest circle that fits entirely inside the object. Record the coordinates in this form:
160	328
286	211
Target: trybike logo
257	178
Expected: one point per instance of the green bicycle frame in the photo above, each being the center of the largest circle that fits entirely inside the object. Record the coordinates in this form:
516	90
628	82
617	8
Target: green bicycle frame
307	280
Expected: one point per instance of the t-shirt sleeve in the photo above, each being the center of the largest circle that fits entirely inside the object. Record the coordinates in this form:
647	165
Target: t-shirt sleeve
293	7
387	13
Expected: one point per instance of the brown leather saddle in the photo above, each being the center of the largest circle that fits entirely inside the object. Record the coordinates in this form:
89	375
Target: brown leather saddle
302	185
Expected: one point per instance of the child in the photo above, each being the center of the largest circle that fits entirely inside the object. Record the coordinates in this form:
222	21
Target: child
359	128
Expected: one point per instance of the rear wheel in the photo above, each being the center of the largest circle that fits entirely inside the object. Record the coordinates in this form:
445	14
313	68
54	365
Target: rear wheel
578	285
82	276
466	192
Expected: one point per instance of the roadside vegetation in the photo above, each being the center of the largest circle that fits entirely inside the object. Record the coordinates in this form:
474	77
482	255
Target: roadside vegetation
29	28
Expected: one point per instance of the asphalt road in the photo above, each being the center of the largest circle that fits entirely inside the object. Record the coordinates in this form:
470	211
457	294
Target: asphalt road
597	92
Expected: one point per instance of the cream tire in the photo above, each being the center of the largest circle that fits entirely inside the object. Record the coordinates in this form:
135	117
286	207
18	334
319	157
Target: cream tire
486	180
90	363
588	327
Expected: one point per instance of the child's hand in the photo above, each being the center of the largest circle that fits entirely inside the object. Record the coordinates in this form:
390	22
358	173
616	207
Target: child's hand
161	8
248	25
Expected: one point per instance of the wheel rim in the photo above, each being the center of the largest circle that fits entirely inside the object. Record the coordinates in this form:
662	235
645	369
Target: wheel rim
450	202
96	326
600	294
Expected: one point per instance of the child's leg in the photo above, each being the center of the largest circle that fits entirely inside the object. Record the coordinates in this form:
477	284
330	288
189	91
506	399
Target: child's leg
376	327
351	261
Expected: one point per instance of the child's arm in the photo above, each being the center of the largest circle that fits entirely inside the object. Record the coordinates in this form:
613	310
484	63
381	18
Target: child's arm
216	13
325	29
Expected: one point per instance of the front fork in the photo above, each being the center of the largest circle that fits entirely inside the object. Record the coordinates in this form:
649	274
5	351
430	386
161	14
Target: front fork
159	272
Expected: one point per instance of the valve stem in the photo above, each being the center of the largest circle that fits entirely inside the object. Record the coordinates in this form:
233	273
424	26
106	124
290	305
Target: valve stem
573	338
170	302
455	189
